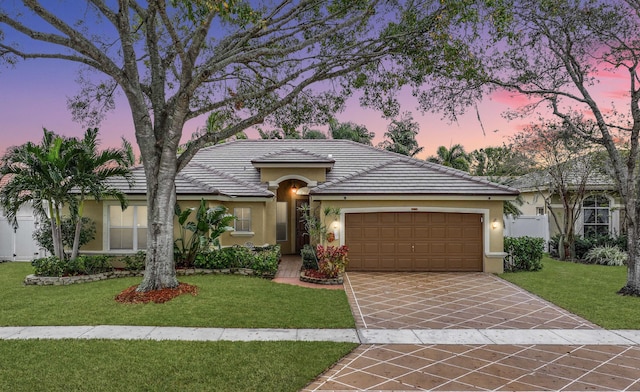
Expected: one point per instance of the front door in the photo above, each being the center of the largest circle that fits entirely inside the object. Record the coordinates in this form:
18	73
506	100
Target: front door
301	233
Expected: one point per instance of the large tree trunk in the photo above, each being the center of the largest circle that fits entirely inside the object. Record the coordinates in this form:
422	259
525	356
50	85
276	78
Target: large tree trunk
160	270
633	266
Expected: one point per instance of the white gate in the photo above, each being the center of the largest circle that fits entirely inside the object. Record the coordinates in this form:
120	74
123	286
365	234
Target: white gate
17	244
528	225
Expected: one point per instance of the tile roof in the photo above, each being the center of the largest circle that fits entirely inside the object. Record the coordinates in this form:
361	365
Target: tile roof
410	177
597	169
293	155
357	169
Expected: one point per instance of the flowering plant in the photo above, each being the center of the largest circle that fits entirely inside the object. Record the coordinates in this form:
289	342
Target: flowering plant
332	260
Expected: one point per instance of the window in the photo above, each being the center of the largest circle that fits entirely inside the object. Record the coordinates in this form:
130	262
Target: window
128	228
243	219
539	210
281	221
595	215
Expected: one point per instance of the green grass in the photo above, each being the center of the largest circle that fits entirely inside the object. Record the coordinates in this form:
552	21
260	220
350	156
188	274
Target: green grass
76	365
222	301
584	289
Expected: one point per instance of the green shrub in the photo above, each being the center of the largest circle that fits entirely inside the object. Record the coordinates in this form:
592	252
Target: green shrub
309	259
42	235
81	265
524	253
48	266
95	264
135	262
263	260
606	255
585	244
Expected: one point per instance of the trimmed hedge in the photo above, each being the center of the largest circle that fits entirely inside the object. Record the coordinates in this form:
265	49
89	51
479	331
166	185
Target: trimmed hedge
263	260
82	265
525	253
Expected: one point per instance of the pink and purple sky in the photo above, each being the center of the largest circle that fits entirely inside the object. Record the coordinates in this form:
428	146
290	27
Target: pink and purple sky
33	95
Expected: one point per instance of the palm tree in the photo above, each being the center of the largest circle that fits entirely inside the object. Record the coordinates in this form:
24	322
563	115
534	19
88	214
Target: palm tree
61	172
401	136
38	174
91	172
454	157
350	131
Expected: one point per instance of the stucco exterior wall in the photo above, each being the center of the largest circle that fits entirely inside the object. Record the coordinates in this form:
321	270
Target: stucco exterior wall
262	228
531	202
93	210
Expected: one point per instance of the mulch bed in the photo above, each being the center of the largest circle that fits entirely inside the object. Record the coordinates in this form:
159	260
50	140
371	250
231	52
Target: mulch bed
131	296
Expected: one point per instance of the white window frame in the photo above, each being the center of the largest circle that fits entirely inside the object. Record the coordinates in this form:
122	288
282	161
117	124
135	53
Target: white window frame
595	211
239	213
136	225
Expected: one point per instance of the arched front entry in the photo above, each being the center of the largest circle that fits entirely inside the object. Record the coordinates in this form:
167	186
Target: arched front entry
290	230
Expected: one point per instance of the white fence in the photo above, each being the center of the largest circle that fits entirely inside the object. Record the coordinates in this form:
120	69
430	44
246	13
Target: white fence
528	225
17	244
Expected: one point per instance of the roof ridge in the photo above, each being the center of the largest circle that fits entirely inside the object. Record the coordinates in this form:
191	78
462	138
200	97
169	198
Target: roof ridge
292	149
461	174
357	173
227	176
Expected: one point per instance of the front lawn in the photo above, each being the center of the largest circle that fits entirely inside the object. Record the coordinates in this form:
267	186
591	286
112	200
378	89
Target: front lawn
222	301
584	289
118	365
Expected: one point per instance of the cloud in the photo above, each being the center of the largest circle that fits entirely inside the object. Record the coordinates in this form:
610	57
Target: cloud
510	98
618	94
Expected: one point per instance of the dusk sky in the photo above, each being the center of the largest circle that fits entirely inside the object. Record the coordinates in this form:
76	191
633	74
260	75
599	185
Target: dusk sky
33	95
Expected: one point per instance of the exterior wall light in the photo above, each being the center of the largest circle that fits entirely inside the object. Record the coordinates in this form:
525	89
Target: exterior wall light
336	230
495	224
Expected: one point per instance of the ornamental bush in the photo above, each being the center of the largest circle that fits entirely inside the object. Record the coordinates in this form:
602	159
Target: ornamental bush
48	266
332	260
82	265
263	260
606	255
524	253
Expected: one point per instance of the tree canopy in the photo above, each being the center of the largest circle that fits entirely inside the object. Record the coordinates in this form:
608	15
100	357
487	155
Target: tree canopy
554	54
248	62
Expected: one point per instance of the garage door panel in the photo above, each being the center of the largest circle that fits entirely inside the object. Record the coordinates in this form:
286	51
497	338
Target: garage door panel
403	263
387	219
404	232
404	218
387	232
370	232
437	232
414	241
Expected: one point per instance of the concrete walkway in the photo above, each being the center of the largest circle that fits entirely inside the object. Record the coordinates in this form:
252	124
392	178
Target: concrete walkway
362	336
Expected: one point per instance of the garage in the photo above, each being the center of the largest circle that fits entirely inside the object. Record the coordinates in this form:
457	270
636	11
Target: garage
414	241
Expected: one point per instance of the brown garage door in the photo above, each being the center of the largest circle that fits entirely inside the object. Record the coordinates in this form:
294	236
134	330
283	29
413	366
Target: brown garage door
414	241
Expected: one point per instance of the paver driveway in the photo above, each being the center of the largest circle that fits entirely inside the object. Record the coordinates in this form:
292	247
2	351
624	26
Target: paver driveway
452	301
